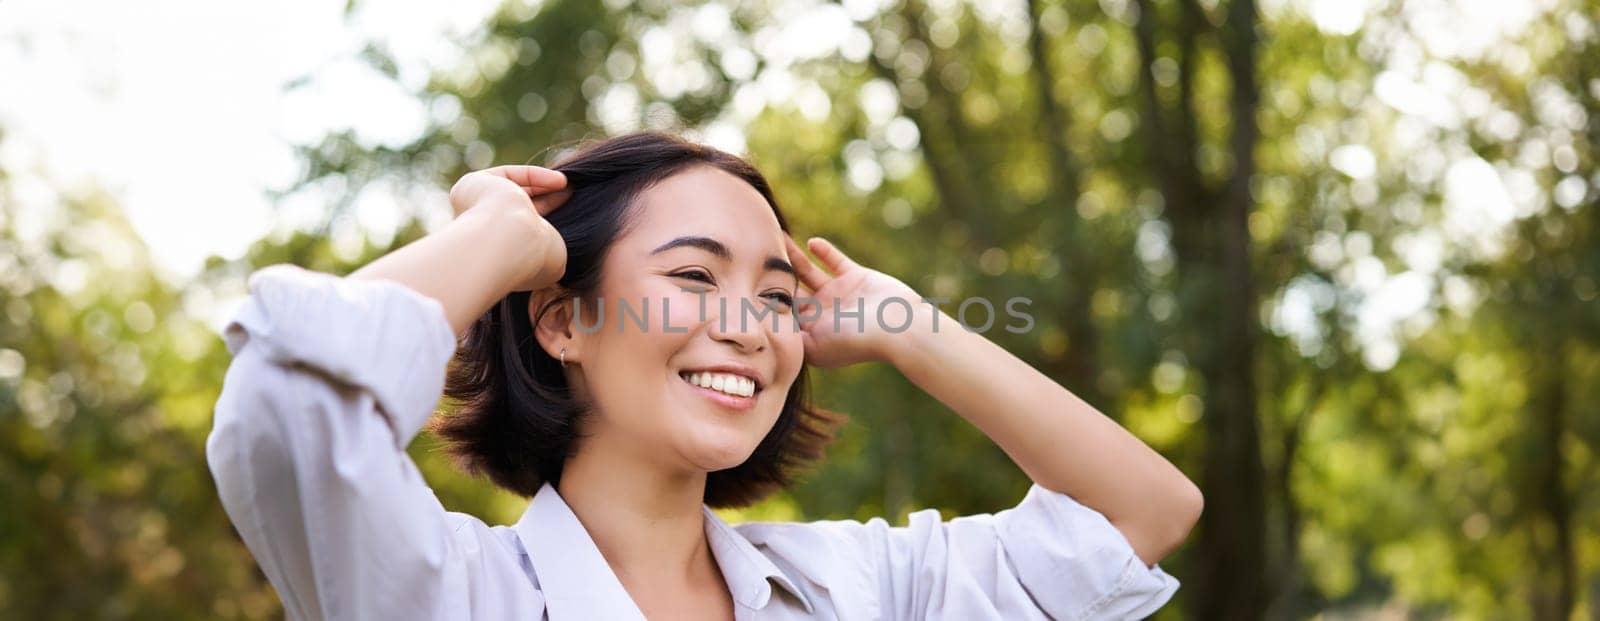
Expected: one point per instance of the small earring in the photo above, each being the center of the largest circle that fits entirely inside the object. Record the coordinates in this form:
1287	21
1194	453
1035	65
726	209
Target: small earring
563	356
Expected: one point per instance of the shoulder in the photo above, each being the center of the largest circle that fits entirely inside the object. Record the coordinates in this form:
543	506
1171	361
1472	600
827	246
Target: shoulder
850	538
471	534
826	551
1047	554
820	547
493	554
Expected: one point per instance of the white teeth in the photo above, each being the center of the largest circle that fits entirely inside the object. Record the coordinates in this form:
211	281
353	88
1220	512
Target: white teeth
724	383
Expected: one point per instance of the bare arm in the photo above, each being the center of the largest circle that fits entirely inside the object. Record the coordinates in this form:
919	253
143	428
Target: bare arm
1059	440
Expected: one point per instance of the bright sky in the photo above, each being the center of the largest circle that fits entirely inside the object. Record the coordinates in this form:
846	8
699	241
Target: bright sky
177	108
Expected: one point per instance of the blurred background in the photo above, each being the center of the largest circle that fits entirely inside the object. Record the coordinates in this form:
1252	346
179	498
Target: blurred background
1338	259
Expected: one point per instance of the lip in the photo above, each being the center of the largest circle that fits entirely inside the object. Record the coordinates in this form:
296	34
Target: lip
722	399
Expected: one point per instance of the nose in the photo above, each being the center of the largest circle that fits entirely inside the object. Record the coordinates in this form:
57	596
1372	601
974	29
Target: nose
738	327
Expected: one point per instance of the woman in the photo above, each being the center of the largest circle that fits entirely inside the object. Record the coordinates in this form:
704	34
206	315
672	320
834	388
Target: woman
625	431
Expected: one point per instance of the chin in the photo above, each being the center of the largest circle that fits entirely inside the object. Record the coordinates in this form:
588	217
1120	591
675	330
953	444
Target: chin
711	439
711	454
711	445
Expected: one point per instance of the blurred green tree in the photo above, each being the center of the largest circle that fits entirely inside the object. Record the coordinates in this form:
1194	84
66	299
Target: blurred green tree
106	387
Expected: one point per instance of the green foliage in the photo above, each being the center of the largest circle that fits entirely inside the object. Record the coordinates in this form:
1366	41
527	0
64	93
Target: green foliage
106	388
971	152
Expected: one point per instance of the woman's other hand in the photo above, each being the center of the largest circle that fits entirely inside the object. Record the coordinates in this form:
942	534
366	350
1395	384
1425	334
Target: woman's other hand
518	198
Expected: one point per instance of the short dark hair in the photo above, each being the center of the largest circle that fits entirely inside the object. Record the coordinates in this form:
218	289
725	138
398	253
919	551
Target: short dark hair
516	419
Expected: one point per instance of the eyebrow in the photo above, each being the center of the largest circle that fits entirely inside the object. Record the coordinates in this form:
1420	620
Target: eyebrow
773	263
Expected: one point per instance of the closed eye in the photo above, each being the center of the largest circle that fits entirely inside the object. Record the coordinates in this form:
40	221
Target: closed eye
701	275
786	299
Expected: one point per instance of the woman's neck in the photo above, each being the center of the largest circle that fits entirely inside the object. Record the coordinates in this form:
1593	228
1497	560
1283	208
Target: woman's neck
648	523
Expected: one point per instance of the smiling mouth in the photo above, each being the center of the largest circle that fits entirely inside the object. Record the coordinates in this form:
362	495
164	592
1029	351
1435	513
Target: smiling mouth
722	384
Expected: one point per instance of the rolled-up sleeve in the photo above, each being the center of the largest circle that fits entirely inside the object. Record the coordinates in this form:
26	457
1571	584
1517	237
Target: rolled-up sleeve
1073	561
331	379
375	335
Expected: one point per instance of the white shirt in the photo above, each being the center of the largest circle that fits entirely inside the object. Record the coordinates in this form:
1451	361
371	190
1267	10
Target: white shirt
331	379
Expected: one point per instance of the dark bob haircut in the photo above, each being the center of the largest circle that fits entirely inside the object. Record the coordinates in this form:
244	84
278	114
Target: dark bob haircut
516	420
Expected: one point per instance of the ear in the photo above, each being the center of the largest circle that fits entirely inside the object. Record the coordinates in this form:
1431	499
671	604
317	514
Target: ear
556	331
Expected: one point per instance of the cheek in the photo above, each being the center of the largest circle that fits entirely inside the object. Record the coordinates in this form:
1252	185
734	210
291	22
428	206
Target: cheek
631	361
791	354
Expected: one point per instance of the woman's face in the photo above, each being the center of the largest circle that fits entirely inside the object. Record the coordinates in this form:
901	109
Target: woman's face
706	248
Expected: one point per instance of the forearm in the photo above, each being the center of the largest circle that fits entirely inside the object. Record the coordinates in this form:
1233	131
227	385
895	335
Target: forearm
1060	441
467	266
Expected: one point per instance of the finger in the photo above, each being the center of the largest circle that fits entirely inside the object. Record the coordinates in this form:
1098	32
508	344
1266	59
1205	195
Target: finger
833	258
807	313
532	178
810	275
806	303
548	202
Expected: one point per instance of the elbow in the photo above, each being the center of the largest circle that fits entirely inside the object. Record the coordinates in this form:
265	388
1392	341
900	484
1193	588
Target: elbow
248	427
253	393
1179	514
1189	504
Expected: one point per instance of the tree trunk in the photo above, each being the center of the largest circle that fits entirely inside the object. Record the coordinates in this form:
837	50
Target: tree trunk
1080	369
1558	581
1211	241
1287	577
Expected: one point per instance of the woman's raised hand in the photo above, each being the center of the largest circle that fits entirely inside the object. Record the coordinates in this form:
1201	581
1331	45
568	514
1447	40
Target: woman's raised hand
838	335
519	197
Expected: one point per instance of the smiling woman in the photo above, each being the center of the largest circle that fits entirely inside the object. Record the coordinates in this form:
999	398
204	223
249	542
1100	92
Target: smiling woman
625	435
669	221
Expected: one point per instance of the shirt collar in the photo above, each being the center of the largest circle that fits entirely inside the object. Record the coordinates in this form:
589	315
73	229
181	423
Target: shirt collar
578	583
748	572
